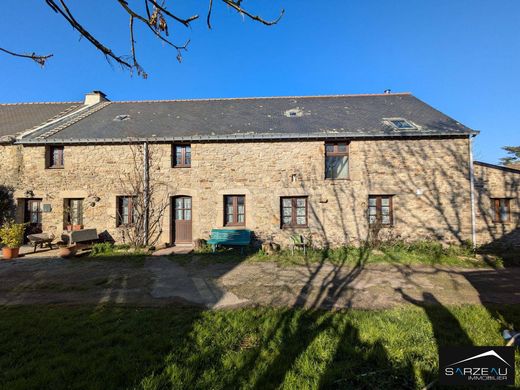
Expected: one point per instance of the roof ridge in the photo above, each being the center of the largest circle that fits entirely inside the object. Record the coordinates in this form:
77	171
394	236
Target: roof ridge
30	103
74	119
49	120
264	97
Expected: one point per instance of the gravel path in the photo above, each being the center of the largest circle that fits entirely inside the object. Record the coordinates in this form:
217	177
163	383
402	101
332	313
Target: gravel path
161	281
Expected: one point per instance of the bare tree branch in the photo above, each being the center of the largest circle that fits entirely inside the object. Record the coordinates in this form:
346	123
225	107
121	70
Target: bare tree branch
155	16
39	59
185	22
75	25
236	5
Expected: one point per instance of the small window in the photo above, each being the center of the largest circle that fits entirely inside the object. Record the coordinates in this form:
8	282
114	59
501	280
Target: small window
501	210
234	210
54	156
126	210
401	124
181	156
336	160
74	212
380	210
294	211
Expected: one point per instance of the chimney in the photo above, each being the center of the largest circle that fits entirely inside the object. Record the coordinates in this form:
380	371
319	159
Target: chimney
95	97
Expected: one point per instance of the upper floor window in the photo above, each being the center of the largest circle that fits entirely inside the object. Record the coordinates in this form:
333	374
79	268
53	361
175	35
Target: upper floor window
234	210
126	210
336	160
294	211
501	210
181	156
380	210
54	156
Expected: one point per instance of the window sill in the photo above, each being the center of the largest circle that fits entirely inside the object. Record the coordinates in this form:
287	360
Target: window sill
337	179
129	225
57	167
287	227
234	226
181	166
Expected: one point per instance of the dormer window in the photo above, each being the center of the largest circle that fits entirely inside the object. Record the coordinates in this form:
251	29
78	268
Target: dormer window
400	124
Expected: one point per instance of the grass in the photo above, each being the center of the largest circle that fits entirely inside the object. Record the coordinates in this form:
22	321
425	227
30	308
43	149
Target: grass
154	348
415	253
110	252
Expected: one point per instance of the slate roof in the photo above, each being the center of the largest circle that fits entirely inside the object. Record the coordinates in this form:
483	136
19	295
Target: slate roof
16	118
513	168
252	118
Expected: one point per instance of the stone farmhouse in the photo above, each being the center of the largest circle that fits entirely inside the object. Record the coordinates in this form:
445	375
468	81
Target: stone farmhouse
327	167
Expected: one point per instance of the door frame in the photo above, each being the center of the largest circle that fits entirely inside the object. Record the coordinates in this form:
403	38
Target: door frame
173	219
30	229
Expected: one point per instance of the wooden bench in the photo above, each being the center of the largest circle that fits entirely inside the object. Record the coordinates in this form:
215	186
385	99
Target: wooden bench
230	237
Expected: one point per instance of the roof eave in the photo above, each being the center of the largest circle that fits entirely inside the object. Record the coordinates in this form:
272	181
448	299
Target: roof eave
243	137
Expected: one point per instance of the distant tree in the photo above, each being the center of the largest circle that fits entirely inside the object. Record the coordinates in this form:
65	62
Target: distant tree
514	155
153	14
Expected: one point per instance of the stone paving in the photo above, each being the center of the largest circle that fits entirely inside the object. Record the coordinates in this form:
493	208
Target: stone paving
163	281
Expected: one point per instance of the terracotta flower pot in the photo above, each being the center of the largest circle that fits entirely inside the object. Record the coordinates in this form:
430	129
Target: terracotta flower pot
67	251
77	227
10	253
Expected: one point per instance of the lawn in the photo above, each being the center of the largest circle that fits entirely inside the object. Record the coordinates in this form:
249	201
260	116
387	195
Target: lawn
417	253
153	348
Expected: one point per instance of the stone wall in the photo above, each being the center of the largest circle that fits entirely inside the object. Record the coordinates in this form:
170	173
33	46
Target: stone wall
428	179
496	182
10	161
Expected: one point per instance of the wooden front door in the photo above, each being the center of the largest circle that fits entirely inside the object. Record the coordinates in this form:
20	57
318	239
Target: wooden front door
33	216
182	220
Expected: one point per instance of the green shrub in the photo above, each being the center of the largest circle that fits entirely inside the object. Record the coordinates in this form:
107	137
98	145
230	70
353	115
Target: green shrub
103	248
11	234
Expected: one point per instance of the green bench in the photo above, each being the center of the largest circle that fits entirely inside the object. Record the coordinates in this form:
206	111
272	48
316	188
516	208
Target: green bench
230	237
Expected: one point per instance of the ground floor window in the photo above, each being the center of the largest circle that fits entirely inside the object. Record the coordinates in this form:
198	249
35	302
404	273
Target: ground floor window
234	210
73	211
294	211
126	213
380	210
501	210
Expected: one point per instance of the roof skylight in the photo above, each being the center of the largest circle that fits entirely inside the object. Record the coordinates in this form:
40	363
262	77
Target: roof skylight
400	124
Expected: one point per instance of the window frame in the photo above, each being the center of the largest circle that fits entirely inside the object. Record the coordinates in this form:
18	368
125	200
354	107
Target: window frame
392	123
235	213
496	210
294	207
50	161
337	153
68	218
131	210
379	210
182	163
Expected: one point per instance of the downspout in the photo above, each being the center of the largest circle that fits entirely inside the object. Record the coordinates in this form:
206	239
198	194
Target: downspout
146	191
472	192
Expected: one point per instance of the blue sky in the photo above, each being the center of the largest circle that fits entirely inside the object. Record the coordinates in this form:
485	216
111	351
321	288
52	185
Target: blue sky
462	57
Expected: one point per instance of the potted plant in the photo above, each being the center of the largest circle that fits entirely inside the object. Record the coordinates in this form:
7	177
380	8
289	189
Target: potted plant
11	235
72	222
